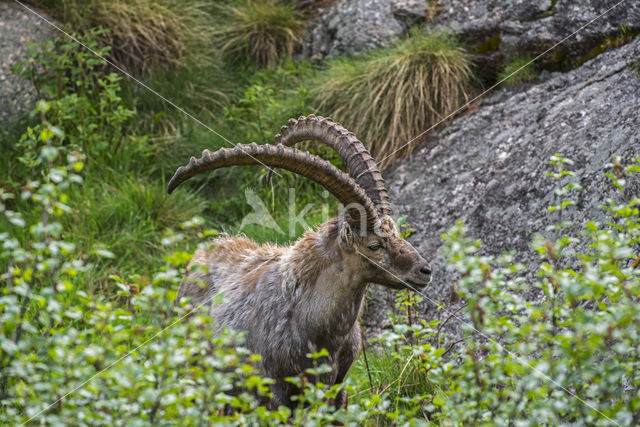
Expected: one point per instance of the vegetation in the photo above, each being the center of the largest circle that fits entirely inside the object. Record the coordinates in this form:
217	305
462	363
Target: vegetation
570	356
92	250
143	34
518	70
390	96
263	31
623	36
124	206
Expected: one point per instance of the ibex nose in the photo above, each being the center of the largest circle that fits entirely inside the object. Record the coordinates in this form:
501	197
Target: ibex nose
426	270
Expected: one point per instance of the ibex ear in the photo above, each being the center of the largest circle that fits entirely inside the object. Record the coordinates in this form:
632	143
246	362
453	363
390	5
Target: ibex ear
346	237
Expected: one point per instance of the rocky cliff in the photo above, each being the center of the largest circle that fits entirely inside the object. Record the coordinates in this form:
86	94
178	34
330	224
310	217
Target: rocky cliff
487	168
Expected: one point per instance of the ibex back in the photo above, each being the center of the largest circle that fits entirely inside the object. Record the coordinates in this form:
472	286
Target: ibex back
309	296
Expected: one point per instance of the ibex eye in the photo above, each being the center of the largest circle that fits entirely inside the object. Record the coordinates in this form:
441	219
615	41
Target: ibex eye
375	246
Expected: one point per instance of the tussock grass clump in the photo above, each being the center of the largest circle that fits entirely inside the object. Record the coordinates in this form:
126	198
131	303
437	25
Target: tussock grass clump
264	31
390	96
143	34
523	75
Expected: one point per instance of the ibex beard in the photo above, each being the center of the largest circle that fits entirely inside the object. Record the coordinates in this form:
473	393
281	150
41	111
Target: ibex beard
293	300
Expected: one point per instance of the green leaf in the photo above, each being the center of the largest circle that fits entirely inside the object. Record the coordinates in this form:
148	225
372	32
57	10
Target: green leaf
8	345
104	253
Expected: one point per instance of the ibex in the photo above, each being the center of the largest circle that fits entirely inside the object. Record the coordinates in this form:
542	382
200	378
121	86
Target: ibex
309	296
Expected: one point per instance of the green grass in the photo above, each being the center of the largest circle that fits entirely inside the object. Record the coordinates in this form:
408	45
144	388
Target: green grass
518	70
624	35
128	217
390	373
263	31
396	375
191	88
389	96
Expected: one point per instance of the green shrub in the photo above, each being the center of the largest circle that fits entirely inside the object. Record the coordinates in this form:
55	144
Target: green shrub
83	103
518	70
389	96
127	356
168	41
71	357
270	99
264	31
124	207
569	356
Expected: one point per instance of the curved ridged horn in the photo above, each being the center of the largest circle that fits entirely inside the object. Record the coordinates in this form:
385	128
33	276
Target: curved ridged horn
338	183
356	157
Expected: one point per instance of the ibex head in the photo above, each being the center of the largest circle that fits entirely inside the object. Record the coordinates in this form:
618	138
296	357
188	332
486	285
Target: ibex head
368	236
384	256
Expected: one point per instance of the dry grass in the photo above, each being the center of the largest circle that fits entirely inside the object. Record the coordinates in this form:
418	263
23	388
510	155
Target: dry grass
265	31
143	34
313	8
390	96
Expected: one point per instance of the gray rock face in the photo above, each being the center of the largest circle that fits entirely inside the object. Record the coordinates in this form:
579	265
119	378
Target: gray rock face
356	25
519	27
487	168
17	28
529	28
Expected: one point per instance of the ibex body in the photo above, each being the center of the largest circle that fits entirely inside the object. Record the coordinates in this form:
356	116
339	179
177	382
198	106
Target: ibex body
308	296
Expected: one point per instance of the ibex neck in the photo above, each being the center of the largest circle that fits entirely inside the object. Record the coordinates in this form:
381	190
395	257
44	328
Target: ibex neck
327	296
339	301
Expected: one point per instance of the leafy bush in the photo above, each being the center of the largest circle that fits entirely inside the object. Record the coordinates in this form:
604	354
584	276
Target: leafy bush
264	31
63	340
126	356
571	355
389	96
518	70
124	206
63	350
84	104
